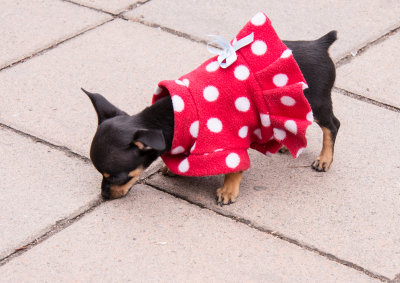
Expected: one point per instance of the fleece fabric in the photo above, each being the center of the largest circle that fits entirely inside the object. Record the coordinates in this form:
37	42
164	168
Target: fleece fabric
257	102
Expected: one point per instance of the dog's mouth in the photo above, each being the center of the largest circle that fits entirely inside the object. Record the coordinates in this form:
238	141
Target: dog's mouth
119	191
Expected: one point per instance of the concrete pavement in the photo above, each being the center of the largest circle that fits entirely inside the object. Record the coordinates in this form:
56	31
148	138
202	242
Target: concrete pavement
290	224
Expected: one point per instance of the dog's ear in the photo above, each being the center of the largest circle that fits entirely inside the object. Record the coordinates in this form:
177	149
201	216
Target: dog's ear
104	109
149	139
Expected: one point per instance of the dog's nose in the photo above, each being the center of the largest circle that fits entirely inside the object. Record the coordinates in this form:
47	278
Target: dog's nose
105	194
105	190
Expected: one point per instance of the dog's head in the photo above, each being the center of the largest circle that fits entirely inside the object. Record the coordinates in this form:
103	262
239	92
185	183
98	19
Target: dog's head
121	148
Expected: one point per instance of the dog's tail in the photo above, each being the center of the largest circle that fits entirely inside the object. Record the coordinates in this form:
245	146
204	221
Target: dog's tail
328	39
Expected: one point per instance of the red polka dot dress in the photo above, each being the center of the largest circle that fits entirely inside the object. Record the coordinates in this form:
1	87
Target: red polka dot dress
256	102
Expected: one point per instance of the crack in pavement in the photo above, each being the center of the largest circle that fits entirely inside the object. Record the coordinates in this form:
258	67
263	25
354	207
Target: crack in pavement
276	234
119	14
366	99
58	226
66	222
53	45
61	41
67	151
168	30
349	57
63	223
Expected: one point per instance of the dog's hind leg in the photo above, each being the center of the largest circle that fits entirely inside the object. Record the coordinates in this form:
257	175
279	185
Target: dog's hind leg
329	129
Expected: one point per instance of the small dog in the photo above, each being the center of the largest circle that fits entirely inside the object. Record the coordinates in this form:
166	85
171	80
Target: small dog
124	146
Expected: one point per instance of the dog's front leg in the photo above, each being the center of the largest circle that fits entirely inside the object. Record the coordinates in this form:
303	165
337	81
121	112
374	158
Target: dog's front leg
228	193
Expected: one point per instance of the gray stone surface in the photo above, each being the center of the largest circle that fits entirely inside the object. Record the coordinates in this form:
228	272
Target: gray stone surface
122	60
112	6
39	185
356	21
29	26
352	211
152	237
375	73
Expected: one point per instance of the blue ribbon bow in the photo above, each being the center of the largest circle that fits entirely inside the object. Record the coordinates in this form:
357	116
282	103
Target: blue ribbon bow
227	52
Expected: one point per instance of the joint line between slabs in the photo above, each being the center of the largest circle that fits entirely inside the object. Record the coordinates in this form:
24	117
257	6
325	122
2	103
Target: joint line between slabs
54	45
63	149
349	57
366	99
57	227
168	30
275	234
115	15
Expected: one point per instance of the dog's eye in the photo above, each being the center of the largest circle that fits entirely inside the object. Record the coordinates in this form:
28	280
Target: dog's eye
106	175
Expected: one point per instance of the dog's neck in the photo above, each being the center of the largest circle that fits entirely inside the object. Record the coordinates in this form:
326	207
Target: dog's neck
160	116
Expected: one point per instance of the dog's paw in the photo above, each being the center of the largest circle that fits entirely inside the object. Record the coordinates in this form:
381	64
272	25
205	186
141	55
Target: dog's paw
322	164
227	195
165	171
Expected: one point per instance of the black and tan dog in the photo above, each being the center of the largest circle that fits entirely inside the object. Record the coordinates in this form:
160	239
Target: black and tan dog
125	145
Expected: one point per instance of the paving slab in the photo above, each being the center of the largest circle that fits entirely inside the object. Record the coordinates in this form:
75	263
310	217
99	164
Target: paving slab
122	60
352	211
150	236
29	26
356	22
39	186
111	6
374	73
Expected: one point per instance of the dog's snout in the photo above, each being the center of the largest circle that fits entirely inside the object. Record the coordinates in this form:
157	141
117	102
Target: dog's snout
105	190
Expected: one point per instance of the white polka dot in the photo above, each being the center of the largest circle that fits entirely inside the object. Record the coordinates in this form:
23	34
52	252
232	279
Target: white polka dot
157	90
265	121
243	132
259	19
257	132
194	129
242	104
241	73
178	150
186	82
288	101
304	85
212	67
193	147
183	166
210	93
177	103
286	53
214	125
219	149
291	126
300	151
232	160
179	82
310	117
280	80
259	47
279	134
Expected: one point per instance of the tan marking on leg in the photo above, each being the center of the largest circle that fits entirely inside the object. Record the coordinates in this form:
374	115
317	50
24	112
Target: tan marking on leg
106	175
120	191
228	193
325	158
